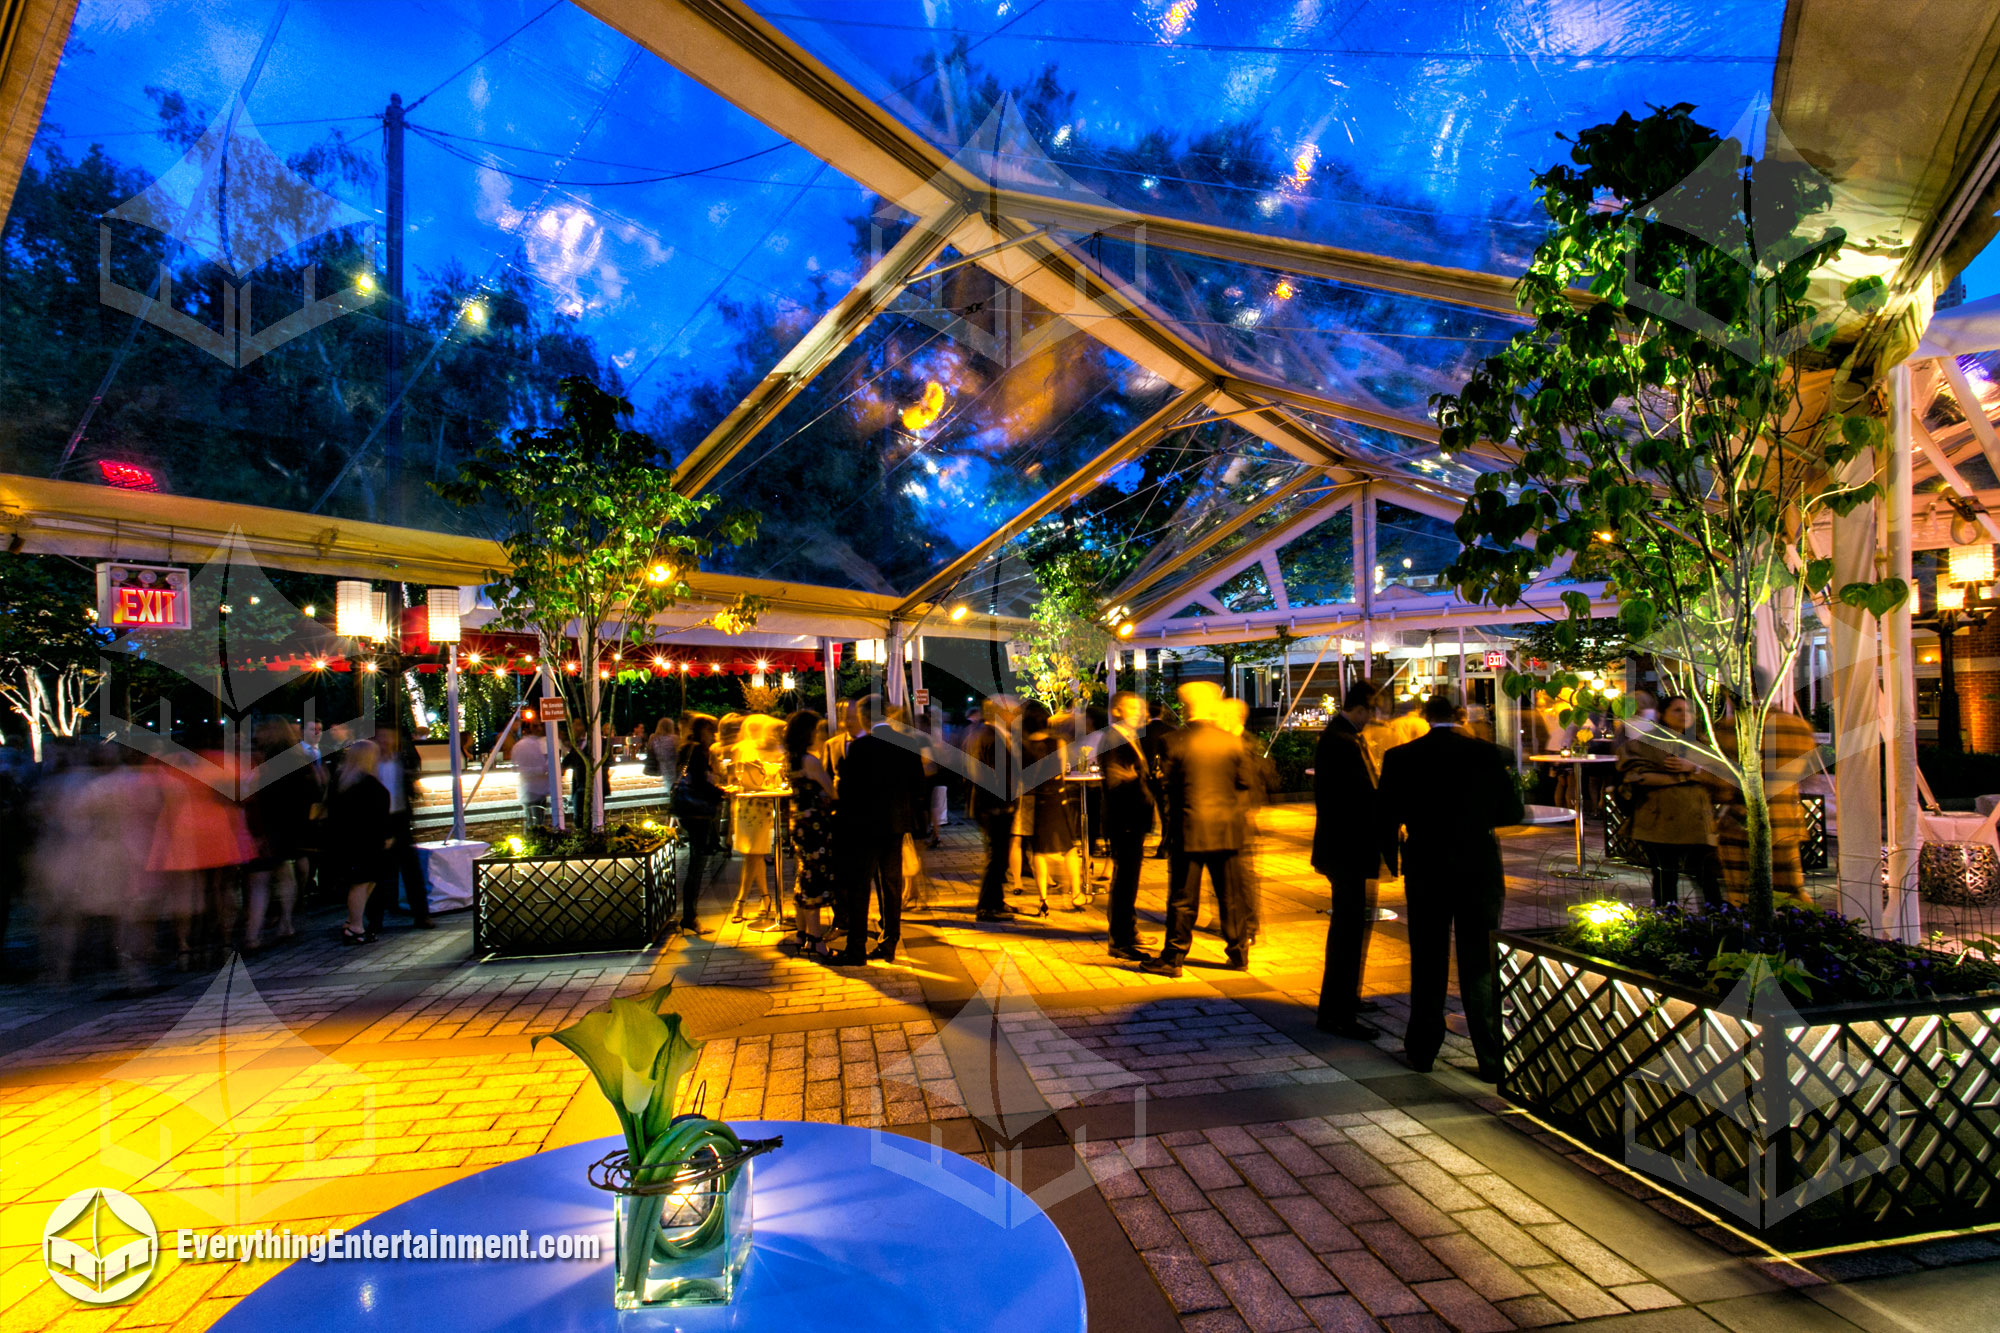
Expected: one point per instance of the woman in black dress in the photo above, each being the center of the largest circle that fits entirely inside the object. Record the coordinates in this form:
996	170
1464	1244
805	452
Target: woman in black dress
696	799
359	834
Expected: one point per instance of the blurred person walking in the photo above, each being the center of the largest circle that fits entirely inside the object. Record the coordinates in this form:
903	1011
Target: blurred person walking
757	765
993	802
1347	849
1449	792
198	841
1053	837
279	812
1205	782
1159	729
362	835
1129	808
663	752
1673	812
695	801
396	769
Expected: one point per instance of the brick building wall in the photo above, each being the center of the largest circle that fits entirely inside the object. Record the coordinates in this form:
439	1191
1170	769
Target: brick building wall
1976	657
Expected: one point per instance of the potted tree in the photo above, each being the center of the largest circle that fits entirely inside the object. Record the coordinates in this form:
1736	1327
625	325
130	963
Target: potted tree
1660	436
599	542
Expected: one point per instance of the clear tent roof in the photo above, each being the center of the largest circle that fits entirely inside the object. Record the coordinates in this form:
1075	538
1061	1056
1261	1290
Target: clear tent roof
575	203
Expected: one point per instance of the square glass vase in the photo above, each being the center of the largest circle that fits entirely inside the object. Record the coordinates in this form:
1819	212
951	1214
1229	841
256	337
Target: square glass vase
699	1241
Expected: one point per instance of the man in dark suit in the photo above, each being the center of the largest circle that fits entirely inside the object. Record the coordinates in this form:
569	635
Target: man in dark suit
1205	785
1347	849
1159	731
883	795
994	797
1128	817
1449	792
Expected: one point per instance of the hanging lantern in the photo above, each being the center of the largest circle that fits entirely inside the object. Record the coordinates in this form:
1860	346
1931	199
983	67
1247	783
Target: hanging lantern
1138	659
442	603
1950	597
378	616
353	609
1972	564
789	681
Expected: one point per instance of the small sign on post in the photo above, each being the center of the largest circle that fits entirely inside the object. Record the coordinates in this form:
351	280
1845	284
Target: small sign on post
142	596
922	698
552	708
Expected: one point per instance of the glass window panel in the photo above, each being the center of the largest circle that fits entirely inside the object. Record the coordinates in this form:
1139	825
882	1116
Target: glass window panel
573	205
945	418
1411	551
1258	529
1409	127
1248	591
1190	610
1246	475
1370	349
1318	568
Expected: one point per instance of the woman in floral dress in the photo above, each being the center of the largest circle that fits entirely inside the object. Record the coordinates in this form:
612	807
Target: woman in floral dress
812	826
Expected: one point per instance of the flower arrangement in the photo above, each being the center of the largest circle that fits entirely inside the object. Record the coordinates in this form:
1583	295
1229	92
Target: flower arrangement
1815	956
682	1178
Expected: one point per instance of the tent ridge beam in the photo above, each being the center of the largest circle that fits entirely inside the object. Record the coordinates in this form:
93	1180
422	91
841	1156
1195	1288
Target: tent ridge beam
833	333
1161	422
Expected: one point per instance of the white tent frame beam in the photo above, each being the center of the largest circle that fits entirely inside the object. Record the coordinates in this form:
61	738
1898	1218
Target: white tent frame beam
831	335
1349	619
1162	422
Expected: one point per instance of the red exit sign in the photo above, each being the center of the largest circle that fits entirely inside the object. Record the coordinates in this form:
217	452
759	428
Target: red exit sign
1496	660
142	597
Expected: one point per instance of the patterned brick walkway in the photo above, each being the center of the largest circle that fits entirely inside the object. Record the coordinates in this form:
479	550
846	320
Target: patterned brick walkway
1236	1169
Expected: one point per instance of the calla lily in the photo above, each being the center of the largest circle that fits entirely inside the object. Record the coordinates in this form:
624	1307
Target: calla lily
623	1046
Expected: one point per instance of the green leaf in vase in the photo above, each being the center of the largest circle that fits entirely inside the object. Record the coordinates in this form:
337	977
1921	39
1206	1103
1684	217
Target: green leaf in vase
675	1059
623	1045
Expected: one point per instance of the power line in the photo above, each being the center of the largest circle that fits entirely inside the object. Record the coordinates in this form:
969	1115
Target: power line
663	173
482	56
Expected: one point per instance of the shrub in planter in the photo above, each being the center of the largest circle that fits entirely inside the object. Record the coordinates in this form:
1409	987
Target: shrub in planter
1807	1082
577	891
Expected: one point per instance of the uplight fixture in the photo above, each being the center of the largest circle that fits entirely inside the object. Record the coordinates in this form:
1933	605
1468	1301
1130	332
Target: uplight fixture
961	611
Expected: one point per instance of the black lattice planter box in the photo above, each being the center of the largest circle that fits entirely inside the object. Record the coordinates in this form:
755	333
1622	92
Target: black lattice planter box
1820	1125
527	905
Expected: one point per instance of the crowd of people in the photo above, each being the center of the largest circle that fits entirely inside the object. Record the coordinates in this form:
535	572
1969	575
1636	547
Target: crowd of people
183	862
170	864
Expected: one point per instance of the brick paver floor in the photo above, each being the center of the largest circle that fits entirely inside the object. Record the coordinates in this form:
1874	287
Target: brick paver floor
1223	1166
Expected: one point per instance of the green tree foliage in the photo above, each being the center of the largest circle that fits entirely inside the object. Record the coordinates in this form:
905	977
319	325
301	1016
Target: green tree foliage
1657	427
298	428
598	539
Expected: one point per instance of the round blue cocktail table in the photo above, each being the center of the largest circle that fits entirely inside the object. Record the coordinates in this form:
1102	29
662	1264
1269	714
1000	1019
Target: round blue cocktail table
856	1229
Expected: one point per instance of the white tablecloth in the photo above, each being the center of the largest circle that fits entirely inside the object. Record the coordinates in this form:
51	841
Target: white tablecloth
448	868
1957	828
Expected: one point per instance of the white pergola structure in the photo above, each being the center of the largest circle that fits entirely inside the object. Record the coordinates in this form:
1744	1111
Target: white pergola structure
1917	165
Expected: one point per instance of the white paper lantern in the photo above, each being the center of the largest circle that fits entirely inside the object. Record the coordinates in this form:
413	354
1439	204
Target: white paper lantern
1972	564
353	609
442	603
378	615
1950	597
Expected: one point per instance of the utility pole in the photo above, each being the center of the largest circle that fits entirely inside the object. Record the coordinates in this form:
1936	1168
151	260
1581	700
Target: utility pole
392	384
